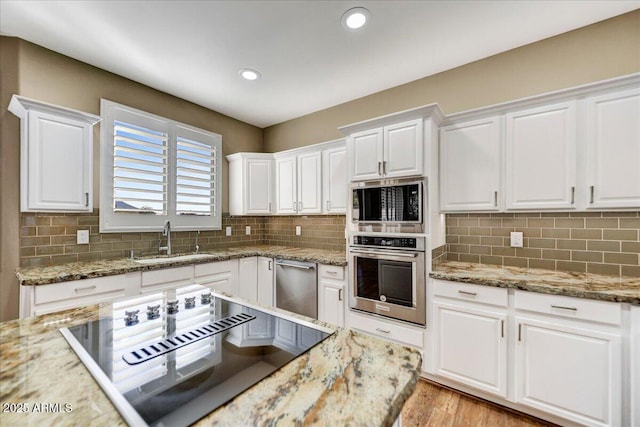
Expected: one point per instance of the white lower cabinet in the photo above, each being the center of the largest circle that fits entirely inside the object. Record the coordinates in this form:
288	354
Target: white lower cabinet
255	279
470	329
220	276
553	356
43	299
568	371
472	347
331	294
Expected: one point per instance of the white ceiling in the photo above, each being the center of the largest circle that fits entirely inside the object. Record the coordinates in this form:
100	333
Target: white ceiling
193	49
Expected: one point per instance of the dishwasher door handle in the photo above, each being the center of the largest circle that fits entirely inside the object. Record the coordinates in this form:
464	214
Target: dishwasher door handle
301	267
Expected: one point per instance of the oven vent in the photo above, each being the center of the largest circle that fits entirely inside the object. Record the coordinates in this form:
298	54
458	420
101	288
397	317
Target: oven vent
170	344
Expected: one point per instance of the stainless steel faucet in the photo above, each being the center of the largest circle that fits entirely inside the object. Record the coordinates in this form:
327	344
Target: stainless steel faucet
167	233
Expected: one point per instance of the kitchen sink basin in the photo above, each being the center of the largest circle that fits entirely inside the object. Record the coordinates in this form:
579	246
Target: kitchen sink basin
167	259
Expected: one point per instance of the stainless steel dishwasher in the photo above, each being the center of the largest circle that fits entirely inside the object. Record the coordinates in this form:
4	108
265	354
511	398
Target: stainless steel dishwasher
296	287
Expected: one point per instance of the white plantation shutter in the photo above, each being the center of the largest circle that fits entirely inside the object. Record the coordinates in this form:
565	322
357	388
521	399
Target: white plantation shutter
139	169
195	178
155	170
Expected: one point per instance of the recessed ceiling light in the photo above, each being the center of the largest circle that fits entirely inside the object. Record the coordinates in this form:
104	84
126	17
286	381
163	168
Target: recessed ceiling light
249	74
355	18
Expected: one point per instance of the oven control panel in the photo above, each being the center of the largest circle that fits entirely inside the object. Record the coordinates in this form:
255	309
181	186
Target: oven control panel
386	242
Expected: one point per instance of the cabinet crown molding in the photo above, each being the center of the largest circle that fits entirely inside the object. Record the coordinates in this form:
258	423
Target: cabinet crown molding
618	83
432	110
21	105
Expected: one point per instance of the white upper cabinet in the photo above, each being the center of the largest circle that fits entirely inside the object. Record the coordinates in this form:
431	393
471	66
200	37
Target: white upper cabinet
470	165
541	157
299	183
334	180
387	152
250	184
613	150
56	157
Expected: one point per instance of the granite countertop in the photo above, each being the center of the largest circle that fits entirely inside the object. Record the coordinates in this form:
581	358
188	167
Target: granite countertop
30	276
581	285
348	379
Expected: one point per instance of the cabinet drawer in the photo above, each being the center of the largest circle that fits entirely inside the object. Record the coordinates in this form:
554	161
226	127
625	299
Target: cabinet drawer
79	288
170	276
474	293
574	308
215	267
331	272
387	330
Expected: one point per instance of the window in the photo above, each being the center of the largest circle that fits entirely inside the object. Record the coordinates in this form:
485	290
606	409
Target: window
155	170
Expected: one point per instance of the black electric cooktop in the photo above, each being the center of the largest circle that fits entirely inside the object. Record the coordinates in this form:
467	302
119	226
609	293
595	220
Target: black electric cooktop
168	363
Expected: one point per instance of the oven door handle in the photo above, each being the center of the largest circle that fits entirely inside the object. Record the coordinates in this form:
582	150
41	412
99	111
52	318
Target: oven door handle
385	253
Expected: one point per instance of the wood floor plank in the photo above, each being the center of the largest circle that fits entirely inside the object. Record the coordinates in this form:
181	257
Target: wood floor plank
434	406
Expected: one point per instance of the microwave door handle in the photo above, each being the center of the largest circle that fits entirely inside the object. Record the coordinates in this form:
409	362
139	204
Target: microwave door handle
385	253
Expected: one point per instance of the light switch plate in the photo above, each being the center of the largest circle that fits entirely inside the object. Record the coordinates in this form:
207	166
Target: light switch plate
298	230
228	230
516	239
247	230
82	237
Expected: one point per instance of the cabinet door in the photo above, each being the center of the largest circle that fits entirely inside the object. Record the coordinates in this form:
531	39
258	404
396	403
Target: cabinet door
365	155
471	346
470	165
248	278
541	158
286	193
613	150
331	303
334	178
258	191
403	151
60	160
265	281
309	183
570	372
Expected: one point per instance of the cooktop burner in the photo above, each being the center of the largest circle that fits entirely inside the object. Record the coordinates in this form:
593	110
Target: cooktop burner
184	359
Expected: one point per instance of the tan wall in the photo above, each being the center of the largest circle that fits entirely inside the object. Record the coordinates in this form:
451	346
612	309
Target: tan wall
48	76
597	52
9	188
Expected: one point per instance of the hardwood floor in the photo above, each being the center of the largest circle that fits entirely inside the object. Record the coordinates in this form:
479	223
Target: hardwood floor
435	406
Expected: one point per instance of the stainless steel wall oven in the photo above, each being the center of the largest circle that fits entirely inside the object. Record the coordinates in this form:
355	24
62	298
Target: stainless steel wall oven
387	276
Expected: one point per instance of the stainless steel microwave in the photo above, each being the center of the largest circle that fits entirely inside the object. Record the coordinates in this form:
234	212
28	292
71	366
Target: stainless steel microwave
388	206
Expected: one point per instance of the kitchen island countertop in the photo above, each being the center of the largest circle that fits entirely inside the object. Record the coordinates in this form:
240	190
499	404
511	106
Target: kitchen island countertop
32	276
580	285
348	379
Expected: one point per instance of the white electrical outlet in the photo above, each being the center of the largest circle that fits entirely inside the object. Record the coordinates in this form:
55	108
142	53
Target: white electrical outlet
298	230
247	230
82	237
516	239
228	230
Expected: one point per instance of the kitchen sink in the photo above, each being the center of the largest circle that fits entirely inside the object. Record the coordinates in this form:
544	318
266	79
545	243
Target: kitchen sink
166	259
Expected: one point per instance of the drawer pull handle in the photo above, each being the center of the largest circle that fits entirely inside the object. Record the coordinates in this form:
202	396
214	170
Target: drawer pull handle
495	198
502	328
333	273
473	294
573	195
519	331
559	307
339	294
384	331
591	196
88	288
